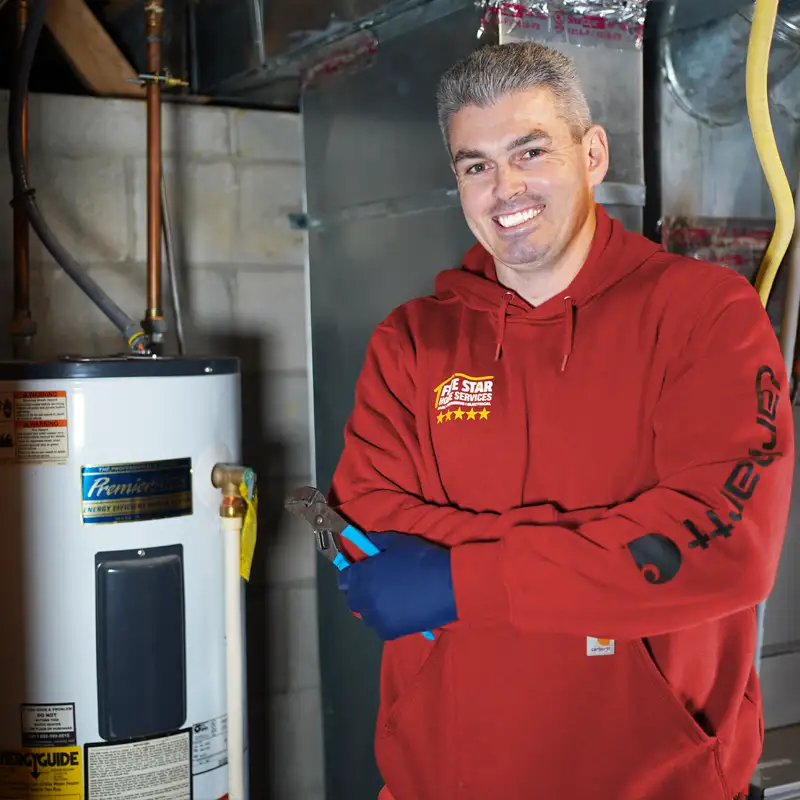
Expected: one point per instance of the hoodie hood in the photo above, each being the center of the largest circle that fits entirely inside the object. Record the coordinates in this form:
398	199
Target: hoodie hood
614	254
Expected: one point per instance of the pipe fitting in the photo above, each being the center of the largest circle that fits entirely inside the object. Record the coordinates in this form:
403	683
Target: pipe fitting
228	478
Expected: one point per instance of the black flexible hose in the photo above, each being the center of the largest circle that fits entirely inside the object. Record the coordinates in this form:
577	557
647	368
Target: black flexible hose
23	61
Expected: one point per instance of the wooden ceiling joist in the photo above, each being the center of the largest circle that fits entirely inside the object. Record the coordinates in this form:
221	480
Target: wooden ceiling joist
91	52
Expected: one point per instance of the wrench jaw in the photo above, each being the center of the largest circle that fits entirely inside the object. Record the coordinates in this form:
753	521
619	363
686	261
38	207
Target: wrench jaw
310	504
305	496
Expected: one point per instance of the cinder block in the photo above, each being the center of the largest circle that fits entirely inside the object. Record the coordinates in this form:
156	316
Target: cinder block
74	126
298	456
273	613
39	305
288	415
83	200
271	305
267	135
288	551
269	193
203	203
209	297
289	616
196	132
71	323
303	649
296	749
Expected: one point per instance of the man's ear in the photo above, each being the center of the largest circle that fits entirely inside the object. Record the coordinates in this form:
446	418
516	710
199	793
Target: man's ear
595	143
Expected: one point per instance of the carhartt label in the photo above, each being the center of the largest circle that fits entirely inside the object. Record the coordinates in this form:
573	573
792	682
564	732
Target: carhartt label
599	647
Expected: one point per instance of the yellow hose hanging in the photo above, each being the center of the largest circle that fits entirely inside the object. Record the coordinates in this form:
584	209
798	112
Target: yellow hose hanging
758	47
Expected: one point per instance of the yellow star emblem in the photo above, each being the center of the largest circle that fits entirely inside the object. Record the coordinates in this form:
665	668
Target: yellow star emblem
471	414
449	415
440	419
485	413
459	414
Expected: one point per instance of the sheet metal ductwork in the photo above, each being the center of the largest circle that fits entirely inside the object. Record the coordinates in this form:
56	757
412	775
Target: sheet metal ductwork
262	53
705	64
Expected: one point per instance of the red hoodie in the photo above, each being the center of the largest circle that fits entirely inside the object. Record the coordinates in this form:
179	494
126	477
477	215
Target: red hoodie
612	470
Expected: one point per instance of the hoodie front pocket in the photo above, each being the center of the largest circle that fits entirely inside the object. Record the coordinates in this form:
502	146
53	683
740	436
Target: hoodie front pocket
413	747
415	686
669	699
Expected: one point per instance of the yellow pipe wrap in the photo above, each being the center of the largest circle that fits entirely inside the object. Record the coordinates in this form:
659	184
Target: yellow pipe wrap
758	48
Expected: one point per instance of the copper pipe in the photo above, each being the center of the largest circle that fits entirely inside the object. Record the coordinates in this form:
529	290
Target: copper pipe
154	13
22	328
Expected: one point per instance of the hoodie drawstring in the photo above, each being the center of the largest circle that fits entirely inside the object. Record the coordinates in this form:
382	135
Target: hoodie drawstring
569	322
569	326
501	324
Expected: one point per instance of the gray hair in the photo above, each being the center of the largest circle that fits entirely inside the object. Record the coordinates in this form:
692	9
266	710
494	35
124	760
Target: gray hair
492	71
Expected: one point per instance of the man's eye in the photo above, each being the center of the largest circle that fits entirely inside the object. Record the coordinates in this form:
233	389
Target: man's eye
534	153
475	169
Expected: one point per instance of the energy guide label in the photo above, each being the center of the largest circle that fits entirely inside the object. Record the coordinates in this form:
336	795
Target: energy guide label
41	773
33	427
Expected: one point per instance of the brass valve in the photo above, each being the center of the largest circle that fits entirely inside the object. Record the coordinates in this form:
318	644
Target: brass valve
228	478
164	79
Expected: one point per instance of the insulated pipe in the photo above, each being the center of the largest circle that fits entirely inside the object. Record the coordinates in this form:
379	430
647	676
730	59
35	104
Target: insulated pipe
228	478
154	318
23	328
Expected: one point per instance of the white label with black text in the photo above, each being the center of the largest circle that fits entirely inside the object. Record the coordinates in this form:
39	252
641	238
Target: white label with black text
599	647
48	725
210	745
152	769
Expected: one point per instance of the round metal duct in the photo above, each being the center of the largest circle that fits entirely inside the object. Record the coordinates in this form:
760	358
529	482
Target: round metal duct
705	65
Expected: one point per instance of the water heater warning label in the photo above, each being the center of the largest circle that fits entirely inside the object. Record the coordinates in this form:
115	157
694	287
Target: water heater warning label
33	427
48	725
146	769
135	492
41	773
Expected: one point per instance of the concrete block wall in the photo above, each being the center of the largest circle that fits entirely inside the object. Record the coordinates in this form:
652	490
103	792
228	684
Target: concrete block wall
233	177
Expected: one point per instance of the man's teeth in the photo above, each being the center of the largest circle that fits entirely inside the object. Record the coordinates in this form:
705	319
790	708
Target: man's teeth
511	220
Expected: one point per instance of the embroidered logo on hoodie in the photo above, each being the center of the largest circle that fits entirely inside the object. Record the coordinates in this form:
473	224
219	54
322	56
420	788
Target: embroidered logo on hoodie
464	398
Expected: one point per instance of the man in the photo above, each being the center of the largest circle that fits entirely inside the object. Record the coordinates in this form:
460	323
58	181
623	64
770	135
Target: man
577	459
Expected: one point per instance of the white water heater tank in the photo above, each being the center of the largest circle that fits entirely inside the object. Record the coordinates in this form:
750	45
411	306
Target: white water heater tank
112	677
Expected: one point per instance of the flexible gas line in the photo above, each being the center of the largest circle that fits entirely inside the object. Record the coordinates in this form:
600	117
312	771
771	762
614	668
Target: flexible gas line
758	48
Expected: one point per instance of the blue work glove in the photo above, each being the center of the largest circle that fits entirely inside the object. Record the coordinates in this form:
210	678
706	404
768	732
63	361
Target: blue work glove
407	588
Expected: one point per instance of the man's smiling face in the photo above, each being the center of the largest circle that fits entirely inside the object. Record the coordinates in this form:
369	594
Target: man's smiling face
525	179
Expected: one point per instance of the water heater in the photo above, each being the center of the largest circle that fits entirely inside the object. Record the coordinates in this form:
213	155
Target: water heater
113	670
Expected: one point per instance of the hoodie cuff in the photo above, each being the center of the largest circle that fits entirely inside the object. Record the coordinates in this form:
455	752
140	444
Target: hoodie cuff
478	583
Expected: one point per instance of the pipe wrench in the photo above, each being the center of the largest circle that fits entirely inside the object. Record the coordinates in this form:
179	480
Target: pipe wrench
329	528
